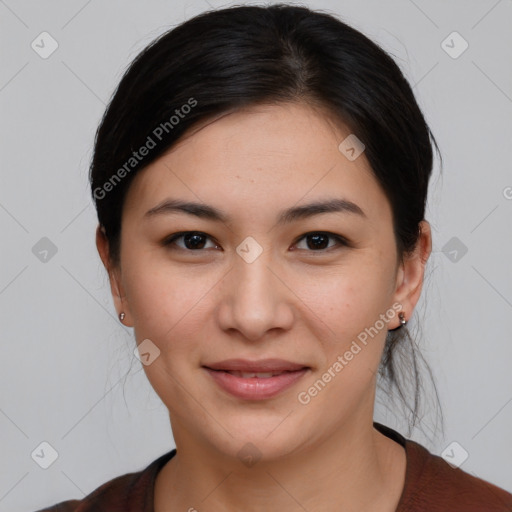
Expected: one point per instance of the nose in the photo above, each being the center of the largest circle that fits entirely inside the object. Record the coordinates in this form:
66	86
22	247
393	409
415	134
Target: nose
255	299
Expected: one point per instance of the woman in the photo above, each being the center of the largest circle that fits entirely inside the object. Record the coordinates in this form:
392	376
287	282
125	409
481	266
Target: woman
260	178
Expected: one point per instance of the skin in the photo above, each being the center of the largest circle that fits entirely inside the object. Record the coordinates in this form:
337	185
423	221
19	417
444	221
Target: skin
294	302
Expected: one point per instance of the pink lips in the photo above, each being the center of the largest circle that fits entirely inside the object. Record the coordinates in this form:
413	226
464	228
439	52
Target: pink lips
234	376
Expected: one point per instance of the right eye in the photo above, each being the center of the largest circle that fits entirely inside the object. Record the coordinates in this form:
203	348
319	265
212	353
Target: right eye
193	241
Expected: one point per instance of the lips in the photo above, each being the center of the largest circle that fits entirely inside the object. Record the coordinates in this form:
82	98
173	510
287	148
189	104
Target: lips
250	375
255	380
274	366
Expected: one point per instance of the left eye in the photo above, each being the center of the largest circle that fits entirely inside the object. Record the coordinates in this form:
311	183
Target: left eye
318	240
195	241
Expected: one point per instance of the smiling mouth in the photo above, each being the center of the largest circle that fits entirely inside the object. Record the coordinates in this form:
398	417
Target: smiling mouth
250	384
252	375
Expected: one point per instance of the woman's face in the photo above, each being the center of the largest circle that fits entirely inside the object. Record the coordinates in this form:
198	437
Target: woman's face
252	286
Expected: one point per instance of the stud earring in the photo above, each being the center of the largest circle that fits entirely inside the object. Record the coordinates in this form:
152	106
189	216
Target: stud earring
402	319
121	316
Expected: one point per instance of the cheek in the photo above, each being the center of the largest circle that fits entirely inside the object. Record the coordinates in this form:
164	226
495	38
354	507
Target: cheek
352	297
167	307
350	304
164	300
352	335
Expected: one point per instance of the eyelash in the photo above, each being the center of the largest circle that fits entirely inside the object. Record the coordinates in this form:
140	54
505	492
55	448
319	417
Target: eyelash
169	242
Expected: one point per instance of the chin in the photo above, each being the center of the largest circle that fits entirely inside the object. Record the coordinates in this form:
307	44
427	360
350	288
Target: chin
258	436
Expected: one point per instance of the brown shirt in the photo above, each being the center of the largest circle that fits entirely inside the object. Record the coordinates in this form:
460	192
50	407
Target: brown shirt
431	485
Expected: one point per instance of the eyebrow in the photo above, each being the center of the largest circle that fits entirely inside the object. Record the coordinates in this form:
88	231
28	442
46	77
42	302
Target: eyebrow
204	211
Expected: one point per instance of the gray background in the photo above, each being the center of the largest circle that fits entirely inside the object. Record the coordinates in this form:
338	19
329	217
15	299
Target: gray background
67	371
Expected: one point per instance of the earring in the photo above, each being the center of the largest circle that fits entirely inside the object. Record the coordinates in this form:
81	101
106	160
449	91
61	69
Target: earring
121	316
402	319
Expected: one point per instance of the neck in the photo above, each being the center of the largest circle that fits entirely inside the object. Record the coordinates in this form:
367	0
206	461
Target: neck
352	469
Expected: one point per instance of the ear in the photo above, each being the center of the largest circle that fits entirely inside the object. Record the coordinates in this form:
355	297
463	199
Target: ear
409	279
114	275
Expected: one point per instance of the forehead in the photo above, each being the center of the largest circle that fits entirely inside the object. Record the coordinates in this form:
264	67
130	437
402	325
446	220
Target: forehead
260	157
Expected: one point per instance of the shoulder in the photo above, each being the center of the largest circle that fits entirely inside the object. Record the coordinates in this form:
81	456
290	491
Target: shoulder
132	491
65	506
434	485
